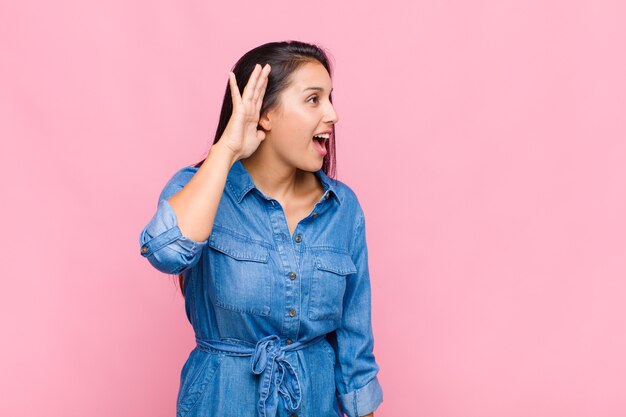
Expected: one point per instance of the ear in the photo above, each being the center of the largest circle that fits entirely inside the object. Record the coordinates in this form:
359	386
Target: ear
264	122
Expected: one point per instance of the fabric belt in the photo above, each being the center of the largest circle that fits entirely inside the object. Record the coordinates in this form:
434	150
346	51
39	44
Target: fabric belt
278	376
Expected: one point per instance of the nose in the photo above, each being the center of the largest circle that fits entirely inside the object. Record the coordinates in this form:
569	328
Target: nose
331	114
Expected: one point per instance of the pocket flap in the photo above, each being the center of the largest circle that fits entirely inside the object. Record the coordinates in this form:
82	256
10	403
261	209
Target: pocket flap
237	247
339	263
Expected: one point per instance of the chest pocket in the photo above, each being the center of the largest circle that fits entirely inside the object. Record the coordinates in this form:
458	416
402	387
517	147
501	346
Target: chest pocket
241	273
328	284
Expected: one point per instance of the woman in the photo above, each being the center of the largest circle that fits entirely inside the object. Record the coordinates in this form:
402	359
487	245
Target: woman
271	253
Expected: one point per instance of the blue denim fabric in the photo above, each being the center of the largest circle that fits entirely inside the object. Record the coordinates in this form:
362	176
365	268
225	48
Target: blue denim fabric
282	323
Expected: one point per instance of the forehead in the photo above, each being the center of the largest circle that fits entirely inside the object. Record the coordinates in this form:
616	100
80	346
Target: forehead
311	74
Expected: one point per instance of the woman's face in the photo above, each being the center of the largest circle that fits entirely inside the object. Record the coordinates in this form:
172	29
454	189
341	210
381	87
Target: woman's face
305	110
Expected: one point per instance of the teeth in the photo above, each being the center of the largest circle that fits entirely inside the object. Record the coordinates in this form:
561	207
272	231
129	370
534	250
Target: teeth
322	136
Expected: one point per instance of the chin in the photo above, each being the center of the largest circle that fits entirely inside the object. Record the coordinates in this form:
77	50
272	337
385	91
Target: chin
310	166
318	165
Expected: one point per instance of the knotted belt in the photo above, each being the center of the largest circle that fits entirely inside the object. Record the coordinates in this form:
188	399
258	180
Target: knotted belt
278	376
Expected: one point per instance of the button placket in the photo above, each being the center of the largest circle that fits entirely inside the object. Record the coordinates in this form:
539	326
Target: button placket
289	258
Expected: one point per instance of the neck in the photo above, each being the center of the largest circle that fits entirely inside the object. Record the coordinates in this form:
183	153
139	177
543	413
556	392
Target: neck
275	179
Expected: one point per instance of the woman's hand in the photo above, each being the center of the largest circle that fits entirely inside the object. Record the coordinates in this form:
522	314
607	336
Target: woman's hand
241	135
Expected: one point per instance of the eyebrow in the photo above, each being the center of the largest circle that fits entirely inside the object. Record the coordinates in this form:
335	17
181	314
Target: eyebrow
316	88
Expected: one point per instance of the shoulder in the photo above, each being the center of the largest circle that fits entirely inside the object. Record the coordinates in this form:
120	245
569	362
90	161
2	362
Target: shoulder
351	206
177	181
349	199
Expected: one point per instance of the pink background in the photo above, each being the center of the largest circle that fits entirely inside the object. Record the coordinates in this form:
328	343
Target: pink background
486	141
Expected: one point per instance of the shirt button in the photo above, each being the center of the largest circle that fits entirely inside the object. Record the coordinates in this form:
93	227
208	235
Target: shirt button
294	415
314	215
292	312
144	249
298	238
292	275
288	341
272	202
327	195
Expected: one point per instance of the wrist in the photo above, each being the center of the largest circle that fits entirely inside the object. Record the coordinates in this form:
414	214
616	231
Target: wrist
225	152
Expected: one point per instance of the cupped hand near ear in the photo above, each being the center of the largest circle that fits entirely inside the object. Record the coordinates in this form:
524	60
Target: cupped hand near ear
241	135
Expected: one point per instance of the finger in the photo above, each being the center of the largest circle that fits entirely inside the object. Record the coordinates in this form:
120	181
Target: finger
260	90
234	90
259	101
262	79
252	81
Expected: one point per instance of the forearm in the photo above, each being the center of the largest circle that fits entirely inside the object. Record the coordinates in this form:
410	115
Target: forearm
356	372
196	204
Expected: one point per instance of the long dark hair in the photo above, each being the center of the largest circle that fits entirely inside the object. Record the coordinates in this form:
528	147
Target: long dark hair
284	58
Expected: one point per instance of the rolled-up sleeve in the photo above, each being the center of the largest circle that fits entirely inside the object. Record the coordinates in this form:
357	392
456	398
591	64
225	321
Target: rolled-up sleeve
359	390
161	240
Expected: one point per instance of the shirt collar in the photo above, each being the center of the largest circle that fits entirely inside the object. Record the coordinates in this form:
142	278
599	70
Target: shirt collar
240	182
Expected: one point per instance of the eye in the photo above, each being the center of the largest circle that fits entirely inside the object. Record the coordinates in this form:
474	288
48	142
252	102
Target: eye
312	97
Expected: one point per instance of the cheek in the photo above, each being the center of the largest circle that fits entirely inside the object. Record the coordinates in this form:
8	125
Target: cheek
301	119
298	125
293	138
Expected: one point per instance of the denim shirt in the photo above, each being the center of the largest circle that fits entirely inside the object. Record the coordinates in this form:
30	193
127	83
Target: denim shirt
253	290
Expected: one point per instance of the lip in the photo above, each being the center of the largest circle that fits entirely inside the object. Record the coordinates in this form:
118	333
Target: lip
330	132
320	148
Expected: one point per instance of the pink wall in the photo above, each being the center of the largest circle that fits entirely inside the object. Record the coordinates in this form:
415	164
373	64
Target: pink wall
486	141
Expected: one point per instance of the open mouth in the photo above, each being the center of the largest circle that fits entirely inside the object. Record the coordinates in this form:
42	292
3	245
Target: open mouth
320	142
321	138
